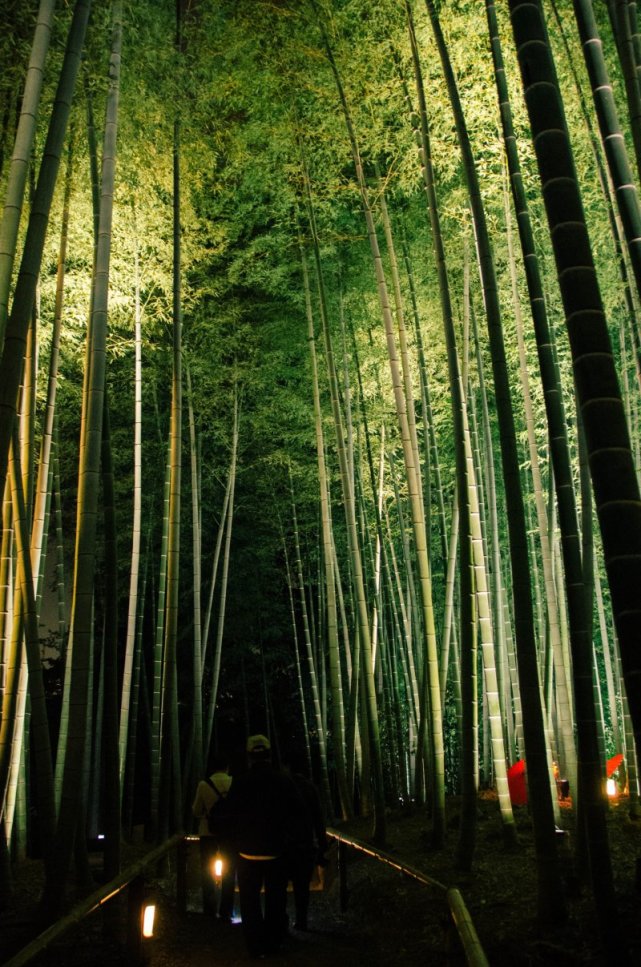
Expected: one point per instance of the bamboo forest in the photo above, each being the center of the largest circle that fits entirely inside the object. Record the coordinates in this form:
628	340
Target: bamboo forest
320	417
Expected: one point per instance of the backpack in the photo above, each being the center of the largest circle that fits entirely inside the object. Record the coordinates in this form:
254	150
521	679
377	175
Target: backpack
219	816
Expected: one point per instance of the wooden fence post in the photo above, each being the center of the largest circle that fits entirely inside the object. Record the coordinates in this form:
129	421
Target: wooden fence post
135	899
342	873
181	876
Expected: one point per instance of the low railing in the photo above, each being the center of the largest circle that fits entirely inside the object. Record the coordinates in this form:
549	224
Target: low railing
132	880
460	919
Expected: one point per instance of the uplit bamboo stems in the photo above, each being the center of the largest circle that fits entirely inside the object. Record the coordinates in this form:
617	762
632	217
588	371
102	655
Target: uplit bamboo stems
338	716
598	397
88	483
42	503
562	673
560	455
20	160
41	745
312	665
169	725
551	903
296	642
413	476
40	517
473	554
11	363
227	523
363	622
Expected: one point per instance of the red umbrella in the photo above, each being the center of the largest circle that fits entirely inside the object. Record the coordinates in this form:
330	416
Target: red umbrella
517	784
613	764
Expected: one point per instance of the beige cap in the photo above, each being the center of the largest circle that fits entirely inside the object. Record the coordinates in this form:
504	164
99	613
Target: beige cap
258	744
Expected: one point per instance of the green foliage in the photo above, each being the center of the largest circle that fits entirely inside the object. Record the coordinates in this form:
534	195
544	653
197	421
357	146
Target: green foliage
258	105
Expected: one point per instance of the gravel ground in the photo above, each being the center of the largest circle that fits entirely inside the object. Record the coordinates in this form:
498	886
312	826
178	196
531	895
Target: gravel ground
391	921
379	927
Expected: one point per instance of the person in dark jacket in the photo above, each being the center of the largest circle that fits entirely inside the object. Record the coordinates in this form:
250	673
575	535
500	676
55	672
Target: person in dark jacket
308	844
266	805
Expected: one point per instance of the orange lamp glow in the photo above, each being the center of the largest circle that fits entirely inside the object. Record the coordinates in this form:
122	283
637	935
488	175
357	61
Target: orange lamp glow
148	916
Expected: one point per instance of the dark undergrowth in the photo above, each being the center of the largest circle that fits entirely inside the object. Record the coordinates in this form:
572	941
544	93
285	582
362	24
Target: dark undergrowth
390	919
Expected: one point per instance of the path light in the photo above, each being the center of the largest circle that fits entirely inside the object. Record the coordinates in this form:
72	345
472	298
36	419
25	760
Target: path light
218	868
141	921
148	917
611	787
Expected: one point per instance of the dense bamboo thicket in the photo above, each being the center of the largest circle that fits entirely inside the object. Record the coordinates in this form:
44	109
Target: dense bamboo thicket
320	334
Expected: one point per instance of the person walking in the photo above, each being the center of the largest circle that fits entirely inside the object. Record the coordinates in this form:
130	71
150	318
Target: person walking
266	805
308	843
215	840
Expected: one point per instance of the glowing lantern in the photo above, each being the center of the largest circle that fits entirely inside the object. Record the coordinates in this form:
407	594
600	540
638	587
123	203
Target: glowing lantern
148	916
611	787
218	867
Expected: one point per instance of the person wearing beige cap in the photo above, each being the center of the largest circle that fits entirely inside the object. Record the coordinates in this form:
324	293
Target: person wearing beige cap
266	804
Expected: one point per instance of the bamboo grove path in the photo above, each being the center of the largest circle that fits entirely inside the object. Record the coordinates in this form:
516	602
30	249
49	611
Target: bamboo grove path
390	920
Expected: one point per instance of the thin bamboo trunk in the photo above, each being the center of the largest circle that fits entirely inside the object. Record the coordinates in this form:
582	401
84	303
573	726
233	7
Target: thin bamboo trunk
299	676
108	735
136	525
228	524
156	805
198	751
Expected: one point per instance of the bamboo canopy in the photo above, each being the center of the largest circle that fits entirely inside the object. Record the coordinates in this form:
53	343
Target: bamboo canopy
320	361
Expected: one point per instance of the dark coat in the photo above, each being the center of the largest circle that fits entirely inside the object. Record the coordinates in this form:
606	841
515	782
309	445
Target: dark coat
310	828
266	807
